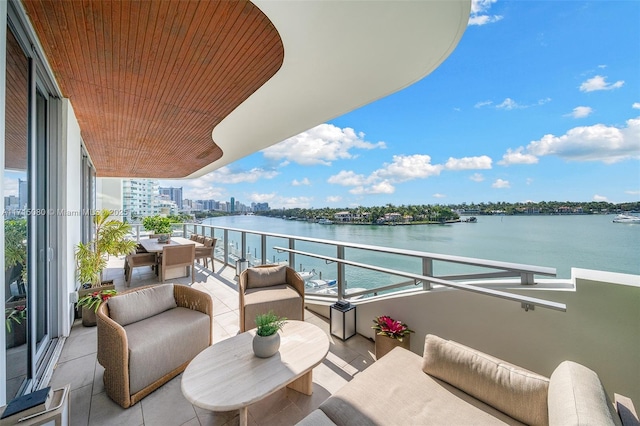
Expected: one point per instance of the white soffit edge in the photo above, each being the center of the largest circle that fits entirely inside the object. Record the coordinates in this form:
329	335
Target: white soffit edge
338	56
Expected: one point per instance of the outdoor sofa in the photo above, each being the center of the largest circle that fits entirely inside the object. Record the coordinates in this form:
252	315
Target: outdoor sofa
149	335
452	384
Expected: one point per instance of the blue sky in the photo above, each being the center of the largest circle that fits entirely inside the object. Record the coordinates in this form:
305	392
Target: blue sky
540	101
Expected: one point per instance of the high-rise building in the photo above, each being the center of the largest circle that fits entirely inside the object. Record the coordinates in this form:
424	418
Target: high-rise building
233	205
174	194
140	197
22	194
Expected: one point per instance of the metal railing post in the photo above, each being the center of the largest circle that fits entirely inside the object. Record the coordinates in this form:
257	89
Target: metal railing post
427	270
225	238
243	245
184	230
341	273
526	278
138	233
263	249
292	256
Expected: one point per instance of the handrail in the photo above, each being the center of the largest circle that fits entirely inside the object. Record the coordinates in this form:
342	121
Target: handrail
486	291
427	276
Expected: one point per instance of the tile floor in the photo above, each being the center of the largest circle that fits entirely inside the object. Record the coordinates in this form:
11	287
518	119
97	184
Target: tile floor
166	406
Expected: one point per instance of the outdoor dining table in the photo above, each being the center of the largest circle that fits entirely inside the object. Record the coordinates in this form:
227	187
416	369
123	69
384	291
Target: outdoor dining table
153	246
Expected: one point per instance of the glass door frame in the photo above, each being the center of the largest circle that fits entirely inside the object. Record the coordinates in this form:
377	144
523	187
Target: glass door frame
43	144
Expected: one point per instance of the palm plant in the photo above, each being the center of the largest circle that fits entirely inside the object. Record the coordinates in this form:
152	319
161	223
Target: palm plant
110	239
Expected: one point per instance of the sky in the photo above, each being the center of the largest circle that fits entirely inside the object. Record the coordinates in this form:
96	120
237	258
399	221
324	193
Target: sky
540	101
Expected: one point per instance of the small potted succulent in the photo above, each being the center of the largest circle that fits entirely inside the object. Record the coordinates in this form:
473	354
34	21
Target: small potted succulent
266	342
389	334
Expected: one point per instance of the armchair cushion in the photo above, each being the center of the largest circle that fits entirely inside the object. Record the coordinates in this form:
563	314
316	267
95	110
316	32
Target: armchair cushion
282	299
135	306
266	276
148	339
520	393
576	397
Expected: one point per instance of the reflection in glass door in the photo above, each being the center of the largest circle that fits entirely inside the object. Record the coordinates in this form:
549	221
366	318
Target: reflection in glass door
16	196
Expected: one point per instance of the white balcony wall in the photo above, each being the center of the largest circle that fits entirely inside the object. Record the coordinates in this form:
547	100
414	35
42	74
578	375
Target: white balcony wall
70	200
600	329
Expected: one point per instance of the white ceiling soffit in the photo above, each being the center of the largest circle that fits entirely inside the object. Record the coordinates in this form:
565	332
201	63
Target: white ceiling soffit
338	56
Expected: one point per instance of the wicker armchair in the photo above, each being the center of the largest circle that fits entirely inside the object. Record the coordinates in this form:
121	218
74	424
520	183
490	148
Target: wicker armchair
267	288
170	338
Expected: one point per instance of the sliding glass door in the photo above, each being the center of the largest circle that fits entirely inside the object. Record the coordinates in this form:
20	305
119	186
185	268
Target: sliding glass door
29	220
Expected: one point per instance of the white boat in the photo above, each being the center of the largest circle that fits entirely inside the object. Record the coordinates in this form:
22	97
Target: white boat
307	275
626	218
325	222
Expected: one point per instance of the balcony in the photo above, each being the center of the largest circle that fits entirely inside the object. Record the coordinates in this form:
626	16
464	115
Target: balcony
91	406
506	310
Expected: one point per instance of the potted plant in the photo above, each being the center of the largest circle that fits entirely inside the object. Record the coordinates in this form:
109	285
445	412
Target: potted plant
15	255
266	342
158	225
389	334
91	258
90	304
15	323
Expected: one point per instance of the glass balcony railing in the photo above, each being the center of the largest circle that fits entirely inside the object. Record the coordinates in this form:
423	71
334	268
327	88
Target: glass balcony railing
338	269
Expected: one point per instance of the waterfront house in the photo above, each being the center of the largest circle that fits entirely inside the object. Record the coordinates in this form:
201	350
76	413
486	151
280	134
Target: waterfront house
173	89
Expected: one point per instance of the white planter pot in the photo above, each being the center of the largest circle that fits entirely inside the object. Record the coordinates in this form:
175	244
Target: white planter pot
266	346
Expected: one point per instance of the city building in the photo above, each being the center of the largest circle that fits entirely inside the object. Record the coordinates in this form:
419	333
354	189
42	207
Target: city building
140	198
174	194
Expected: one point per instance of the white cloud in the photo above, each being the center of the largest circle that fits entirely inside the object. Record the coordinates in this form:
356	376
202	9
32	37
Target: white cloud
302	182
508	104
262	198
636	105
348	178
333	199
592	143
227	175
476	177
468	163
483	104
517	156
384	187
437	195
403	168
320	146
10	187
597	197
599	83
632	192
581	112
479	16
408	167
529	181
499	183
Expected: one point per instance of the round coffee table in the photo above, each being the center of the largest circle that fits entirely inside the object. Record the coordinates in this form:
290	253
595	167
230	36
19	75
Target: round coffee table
228	376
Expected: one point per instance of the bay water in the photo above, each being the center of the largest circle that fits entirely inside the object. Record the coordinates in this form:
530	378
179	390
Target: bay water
561	242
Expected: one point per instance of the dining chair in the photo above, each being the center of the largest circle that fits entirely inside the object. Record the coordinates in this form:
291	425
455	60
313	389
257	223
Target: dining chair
178	256
200	239
135	260
205	253
194	237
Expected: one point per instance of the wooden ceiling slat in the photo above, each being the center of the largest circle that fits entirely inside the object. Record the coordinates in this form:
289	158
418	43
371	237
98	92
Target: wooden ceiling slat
149	80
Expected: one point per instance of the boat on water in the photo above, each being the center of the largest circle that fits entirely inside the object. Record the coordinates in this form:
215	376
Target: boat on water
330	288
626	218
307	275
325	222
471	219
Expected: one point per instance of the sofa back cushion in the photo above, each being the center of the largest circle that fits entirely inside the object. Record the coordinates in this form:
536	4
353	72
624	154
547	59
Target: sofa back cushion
137	305
266	276
577	397
517	392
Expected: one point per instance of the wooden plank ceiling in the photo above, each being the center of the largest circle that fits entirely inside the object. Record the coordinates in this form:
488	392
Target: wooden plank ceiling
149	80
